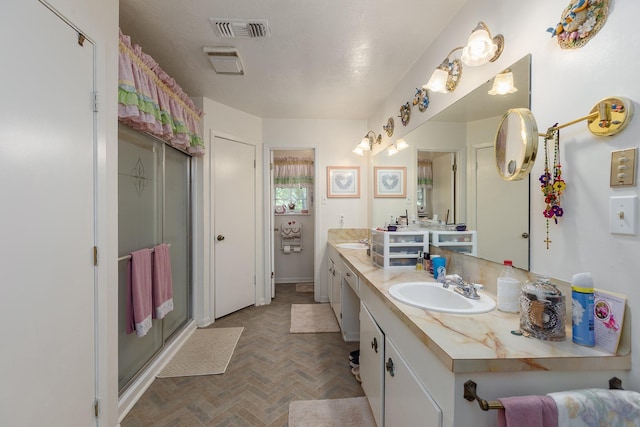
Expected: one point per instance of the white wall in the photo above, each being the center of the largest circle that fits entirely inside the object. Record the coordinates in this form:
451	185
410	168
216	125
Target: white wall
566	84
333	141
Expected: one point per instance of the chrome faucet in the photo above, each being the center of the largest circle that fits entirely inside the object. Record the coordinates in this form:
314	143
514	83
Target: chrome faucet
467	290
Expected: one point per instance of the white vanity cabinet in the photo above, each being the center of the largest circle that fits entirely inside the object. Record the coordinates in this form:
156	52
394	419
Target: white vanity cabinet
334	284
342	285
371	363
397	397
459	241
407	402
398	248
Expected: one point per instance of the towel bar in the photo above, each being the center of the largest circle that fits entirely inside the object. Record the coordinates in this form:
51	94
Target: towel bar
126	257
470	394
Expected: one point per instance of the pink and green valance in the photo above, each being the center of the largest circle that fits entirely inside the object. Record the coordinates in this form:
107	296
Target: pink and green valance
151	101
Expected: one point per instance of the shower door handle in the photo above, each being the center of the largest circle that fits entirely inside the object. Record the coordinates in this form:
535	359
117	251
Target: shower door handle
220	237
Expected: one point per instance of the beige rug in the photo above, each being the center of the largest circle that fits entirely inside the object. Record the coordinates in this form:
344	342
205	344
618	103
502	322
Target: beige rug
352	412
206	352
311	318
304	287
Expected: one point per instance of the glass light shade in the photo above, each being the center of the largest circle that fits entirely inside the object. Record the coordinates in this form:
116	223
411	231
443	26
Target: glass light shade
503	84
480	48
401	144
392	150
359	151
438	81
365	144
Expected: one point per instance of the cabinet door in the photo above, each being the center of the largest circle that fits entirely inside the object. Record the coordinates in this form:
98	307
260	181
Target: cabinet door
330	274
407	402
371	364
336	289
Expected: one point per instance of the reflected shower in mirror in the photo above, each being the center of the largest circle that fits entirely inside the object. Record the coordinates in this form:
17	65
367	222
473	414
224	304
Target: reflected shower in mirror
459	143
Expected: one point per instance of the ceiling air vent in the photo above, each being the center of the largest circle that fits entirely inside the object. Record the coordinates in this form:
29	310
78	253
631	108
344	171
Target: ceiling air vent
225	60
231	28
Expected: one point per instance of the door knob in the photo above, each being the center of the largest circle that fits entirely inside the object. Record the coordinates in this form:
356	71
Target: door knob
220	237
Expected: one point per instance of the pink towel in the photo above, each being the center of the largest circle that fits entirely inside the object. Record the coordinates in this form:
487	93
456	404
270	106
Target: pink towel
528	411
139	292
162	282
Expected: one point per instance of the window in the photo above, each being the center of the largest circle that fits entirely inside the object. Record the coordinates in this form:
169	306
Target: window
293	199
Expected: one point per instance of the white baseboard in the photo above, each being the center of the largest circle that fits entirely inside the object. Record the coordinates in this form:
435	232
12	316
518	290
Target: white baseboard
142	383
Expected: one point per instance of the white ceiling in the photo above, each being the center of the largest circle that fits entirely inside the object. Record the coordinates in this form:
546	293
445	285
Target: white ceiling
325	59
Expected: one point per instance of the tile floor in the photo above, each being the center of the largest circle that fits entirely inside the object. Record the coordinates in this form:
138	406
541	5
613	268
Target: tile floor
270	368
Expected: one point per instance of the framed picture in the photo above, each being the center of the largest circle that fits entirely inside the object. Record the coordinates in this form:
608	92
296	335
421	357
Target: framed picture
390	181
343	181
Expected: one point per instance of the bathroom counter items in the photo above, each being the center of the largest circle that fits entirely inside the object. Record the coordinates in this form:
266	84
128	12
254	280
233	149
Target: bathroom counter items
481	342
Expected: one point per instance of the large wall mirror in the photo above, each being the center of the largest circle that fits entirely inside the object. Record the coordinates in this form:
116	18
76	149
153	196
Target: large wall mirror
463	184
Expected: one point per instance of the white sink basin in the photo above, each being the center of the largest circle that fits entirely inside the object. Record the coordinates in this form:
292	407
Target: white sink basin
434	297
352	245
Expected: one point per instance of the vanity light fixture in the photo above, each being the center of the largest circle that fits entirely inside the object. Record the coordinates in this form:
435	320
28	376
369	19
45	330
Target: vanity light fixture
503	84
367	143
480	49
446	76
399	145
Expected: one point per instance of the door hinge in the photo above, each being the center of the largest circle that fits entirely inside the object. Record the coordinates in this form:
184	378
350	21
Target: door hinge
254	163
95	102
96	407
272	275
95	255
270	166
454	168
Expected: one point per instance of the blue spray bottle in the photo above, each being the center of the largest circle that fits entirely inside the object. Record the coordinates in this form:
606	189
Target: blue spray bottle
582	309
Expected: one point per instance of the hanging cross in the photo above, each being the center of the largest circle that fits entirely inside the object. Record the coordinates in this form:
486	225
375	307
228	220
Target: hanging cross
547	241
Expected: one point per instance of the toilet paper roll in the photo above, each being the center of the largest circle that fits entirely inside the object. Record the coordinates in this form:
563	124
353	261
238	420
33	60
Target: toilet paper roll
297	249
286	249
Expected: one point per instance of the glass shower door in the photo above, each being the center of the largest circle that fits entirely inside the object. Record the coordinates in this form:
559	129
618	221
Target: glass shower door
154	207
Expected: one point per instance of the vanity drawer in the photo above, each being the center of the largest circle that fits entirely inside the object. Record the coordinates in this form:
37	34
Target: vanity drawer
352	279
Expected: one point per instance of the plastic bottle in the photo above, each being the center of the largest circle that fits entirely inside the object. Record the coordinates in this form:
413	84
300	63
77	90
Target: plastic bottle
582	309
419	262
509	288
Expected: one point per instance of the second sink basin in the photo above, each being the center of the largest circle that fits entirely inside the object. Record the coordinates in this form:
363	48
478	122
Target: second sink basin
433	296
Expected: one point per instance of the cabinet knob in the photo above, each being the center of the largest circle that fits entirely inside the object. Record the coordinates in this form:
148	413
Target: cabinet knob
525	235
348	274
220	237
389	366
374	344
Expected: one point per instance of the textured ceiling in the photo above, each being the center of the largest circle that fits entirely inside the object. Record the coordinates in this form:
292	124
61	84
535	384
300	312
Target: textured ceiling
327	59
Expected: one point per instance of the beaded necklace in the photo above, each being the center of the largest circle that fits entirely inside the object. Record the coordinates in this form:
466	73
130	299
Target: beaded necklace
551	181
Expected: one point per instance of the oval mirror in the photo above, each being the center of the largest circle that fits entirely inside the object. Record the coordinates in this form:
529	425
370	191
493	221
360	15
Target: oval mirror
516	144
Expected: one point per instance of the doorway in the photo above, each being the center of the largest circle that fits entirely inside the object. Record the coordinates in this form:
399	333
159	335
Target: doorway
292	216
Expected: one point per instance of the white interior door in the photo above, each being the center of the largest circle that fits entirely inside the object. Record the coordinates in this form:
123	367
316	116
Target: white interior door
47	362
234	230
500	234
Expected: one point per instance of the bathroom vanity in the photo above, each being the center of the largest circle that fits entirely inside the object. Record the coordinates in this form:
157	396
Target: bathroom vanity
414	363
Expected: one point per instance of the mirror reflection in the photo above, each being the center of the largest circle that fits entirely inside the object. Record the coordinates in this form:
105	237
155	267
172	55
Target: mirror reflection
452	177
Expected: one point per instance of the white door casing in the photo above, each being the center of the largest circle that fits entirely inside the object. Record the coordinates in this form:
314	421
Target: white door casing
47	157
234	225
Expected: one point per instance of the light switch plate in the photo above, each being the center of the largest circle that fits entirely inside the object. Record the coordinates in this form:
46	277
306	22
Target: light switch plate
622	214
623	168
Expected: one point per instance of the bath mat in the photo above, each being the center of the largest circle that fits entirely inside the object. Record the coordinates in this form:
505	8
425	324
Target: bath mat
311	318
304	287
352	412
206	352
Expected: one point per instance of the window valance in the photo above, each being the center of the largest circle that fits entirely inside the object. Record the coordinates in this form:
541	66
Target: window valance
151	101
425	173
294	172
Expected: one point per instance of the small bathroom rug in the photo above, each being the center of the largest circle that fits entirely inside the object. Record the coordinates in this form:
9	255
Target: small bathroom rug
206	352
352	412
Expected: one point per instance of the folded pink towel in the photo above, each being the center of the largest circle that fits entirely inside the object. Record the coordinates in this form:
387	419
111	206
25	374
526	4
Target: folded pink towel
139	298
162	282
528	411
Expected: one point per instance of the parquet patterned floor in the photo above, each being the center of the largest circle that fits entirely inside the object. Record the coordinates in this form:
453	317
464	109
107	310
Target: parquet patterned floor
269	368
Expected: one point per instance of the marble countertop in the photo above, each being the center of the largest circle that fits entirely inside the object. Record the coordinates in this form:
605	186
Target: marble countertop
481	342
